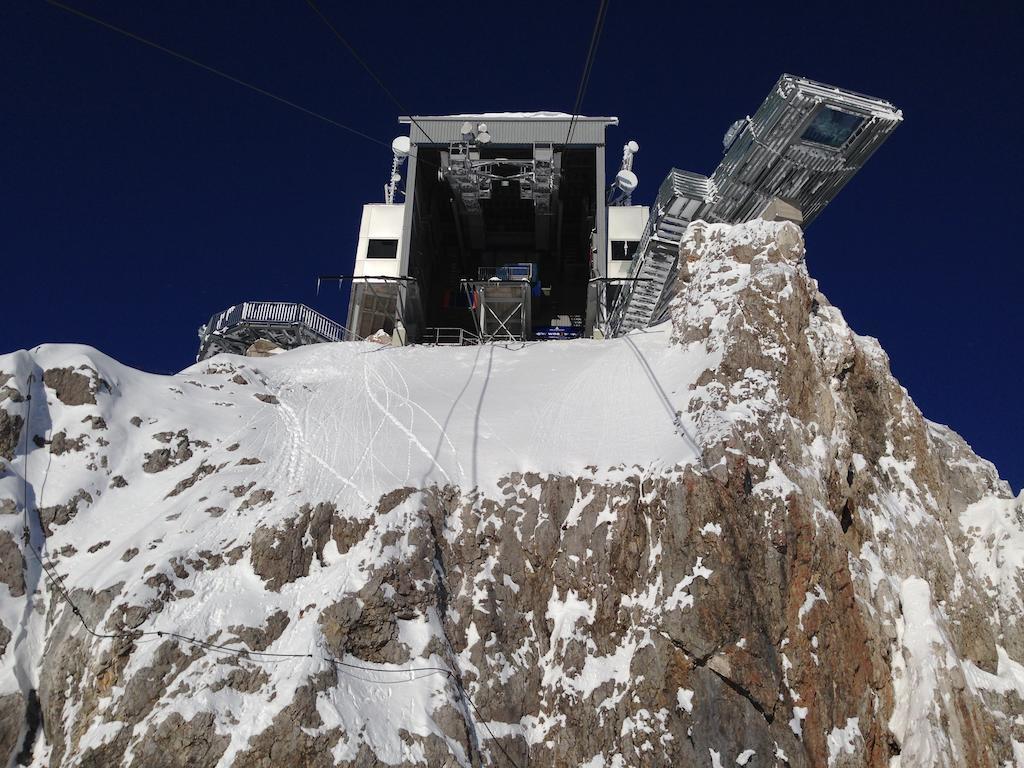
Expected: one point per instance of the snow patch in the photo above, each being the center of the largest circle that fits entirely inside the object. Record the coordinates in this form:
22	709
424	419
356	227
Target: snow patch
711	529
843	741
684	697
810	598
796	722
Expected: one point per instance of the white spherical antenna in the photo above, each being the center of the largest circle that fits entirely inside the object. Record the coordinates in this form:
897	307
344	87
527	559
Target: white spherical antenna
467	128
482	128
401	146
483	137
396	177
633	147
626	181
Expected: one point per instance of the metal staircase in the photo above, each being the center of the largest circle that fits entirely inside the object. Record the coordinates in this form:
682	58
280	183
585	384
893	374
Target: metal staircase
680	198
286	324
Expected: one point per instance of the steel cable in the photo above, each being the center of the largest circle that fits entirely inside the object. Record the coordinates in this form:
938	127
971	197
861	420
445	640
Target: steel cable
215	71
595	37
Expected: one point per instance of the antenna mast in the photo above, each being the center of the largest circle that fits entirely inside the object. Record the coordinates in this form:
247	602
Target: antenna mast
621	192
400	148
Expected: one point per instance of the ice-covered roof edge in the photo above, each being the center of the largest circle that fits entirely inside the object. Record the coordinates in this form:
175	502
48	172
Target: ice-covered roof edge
874	105
524	116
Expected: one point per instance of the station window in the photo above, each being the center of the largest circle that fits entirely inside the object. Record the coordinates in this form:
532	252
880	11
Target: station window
382	249
831	127
623	250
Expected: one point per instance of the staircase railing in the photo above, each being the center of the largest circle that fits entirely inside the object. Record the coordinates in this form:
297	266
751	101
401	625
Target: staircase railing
449	337
277	313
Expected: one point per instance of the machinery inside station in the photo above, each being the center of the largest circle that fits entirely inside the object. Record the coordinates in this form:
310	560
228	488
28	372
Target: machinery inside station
511	222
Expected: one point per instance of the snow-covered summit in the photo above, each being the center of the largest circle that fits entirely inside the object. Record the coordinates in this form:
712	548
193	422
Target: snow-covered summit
732	538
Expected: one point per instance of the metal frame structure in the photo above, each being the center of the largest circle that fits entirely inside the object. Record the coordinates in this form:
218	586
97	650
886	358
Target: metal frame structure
471	177
488	298
286	324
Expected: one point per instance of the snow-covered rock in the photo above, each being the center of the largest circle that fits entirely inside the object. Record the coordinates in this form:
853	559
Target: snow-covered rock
730	538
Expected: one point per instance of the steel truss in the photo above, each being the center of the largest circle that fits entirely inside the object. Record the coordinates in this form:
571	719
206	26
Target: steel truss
500	308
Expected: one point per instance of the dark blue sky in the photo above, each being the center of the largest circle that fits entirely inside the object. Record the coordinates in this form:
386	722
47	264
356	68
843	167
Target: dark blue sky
139	194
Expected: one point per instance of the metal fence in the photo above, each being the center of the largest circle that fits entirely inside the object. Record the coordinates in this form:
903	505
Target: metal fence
449	337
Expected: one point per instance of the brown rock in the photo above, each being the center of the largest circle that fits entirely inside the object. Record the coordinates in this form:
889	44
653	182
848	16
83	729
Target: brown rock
60	443
200	472
72	387
61	514
10	434
263	348
12	564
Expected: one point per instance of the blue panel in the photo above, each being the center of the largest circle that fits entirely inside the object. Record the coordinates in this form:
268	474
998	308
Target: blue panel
831	127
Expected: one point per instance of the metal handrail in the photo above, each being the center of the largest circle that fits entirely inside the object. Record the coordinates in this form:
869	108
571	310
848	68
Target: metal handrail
449	336
277	313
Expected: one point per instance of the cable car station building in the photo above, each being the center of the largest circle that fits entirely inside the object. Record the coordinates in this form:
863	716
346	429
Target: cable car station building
510	230
503	220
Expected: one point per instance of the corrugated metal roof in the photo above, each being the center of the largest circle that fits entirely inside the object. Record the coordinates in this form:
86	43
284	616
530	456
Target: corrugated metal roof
539	115
510	127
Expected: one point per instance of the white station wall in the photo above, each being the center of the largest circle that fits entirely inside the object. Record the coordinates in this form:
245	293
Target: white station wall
625	222
380	221
384	222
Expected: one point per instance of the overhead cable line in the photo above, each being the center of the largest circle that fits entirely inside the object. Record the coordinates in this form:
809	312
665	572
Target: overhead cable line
215	71
595	37
362	62
258	657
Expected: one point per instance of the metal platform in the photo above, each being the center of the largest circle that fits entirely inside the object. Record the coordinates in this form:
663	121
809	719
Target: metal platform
286	324
500	308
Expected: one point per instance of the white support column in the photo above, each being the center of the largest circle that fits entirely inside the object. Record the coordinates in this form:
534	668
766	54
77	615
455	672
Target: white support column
410	205
601	216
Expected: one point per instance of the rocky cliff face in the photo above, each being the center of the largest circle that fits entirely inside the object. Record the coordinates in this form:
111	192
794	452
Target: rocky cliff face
733	540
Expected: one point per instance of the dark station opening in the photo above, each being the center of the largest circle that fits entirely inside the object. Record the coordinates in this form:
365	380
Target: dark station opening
449	242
